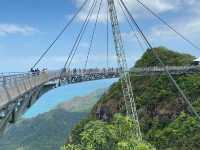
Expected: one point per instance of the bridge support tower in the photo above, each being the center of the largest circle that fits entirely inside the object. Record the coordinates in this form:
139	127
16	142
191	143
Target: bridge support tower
122	64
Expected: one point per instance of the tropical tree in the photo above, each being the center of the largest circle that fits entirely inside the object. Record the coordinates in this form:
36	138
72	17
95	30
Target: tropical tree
117	135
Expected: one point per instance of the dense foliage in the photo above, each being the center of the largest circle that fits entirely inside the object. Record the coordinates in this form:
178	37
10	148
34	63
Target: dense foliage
165	119
170	58
181	134
45	132
116	135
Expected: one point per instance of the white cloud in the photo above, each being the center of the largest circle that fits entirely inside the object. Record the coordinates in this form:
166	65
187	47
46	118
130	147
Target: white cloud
189	28
129	36
158	6
97	59
8	29
185	19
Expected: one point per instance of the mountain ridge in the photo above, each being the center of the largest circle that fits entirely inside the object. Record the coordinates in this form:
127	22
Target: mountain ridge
161	109
85	102
48	131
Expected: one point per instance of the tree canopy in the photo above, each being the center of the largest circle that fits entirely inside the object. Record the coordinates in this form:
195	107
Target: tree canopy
116	135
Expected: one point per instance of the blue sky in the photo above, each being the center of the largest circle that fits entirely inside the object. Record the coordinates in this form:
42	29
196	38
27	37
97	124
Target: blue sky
51	99
28	26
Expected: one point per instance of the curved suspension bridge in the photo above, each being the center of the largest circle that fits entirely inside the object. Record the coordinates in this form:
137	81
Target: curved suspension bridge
19	91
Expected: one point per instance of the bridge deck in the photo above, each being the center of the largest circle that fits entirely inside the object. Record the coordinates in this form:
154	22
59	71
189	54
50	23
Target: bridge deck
18	91
13	86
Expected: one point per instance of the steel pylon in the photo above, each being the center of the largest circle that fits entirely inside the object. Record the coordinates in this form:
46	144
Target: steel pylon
122	64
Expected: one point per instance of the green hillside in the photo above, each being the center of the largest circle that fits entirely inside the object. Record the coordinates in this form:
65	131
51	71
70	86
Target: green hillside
165	120
169	58
49	131
114	135
82	104
45	132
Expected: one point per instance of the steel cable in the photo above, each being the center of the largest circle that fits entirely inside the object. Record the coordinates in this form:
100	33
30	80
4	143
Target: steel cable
132	28
81	34
60	34
168	25
78	39
162	63
93	33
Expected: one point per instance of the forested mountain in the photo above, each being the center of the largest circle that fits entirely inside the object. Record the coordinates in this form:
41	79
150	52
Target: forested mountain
166	121
50	130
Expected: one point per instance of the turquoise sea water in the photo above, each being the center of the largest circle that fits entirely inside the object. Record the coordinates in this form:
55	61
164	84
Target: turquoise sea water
56	96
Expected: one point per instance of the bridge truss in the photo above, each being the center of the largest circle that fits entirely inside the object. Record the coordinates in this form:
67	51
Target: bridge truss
122	64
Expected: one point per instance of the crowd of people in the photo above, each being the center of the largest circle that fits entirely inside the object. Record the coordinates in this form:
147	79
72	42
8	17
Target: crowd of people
35	71
93	70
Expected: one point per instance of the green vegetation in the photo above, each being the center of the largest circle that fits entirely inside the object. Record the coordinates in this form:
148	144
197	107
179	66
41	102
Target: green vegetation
165	119
48	131
45	132
116	135
181	134
170	58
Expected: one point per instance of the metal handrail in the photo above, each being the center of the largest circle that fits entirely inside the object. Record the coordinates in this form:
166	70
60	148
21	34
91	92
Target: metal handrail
10	77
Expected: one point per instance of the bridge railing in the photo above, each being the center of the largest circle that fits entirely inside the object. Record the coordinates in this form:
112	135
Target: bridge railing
15	85
6	78
17	78
10	78
91	71
161	69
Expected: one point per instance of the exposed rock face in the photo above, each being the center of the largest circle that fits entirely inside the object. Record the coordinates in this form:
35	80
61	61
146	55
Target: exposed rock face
103	113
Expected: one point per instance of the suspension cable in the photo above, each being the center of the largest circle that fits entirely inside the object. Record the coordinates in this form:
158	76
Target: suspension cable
93	33
132	28
78	38
107	37
168	25
162	63
80	33
76	48
60	34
